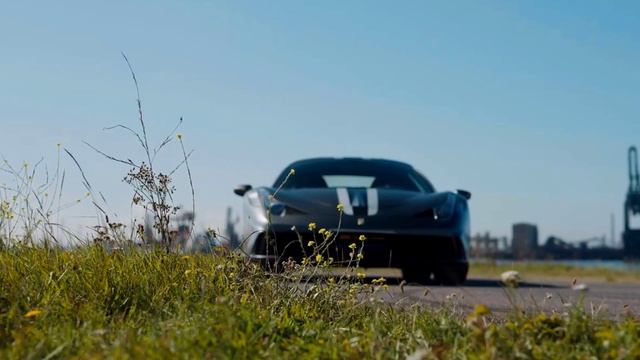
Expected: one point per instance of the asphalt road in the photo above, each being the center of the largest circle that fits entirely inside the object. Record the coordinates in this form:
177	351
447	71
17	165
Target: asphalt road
608	299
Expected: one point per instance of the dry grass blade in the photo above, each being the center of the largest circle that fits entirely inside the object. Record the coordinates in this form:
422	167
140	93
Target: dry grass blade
85	181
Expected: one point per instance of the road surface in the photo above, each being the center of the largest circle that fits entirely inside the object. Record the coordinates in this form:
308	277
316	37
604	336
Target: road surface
609	299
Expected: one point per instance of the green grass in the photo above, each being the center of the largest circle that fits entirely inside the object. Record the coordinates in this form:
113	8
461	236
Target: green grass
91	303
559	272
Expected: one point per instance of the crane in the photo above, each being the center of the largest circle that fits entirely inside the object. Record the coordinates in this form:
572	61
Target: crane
631	237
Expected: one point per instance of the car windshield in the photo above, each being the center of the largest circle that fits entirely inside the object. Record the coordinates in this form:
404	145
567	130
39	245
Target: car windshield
354	173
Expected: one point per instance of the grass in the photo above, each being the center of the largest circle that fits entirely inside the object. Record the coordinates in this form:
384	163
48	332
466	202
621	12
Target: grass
557	272
92	303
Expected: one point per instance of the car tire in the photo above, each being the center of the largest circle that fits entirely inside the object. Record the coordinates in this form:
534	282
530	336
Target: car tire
416	275
451	276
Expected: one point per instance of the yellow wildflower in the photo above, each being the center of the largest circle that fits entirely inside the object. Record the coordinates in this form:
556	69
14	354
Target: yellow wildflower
33	313
352	246
292	172
360	256
311	243
312	226
340	207
322	231
605	335
319	258
362	238
481	310
361	275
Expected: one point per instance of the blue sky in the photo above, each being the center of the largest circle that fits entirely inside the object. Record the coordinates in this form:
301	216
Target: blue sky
529	105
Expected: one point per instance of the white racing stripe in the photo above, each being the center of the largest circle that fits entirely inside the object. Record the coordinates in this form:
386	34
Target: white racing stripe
343	198
372	201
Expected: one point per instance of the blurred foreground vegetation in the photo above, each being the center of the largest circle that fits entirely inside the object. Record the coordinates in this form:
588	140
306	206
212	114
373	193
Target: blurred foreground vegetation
93	303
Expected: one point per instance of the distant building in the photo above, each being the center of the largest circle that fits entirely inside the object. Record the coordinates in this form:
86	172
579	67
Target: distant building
484	246
525	241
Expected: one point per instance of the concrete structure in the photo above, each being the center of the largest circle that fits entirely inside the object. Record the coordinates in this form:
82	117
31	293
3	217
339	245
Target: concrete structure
484	246
524	244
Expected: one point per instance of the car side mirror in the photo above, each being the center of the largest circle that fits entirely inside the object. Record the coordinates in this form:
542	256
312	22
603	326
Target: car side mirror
240	190
464	193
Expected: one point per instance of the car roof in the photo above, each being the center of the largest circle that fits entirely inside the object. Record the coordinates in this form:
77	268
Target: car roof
321	160
384	165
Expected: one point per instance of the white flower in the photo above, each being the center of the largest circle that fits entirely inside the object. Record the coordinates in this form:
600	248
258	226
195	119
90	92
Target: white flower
580	287
510	278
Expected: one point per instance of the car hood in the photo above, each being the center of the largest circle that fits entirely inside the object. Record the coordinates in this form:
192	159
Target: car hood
359	201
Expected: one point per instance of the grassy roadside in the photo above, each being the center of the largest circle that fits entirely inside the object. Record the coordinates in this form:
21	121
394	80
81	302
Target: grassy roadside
556	272
90	303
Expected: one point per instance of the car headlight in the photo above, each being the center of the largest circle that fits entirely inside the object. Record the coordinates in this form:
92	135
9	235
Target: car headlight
446	209
277	208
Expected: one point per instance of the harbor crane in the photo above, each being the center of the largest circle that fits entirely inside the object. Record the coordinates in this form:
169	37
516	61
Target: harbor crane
631	236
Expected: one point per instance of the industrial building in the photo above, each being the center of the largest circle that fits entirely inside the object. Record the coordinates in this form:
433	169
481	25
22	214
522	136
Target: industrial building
486	246
524	244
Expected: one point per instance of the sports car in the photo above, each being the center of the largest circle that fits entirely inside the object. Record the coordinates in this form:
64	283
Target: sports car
406	222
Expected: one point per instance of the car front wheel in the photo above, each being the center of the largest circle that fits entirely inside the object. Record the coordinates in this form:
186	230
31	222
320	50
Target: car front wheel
451	275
